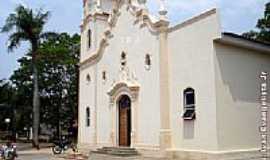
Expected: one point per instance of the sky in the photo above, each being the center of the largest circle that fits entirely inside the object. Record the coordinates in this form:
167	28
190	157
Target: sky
237	16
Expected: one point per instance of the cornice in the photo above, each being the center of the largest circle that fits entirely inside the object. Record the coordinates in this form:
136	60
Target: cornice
142	17
193	20
95	16
241	42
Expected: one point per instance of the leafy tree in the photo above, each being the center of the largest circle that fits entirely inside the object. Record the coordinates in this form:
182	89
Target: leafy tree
4	90
22	80
263	27
58	75
26	25
7	105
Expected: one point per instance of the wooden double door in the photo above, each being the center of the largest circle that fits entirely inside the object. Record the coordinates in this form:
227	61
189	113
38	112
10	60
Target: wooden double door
124	121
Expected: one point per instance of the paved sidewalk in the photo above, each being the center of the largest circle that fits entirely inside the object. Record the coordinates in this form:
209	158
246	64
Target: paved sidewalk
46	154
33	154
26	152
28	146
69	156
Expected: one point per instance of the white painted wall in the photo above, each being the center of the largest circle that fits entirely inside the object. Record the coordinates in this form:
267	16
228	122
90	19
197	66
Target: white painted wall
85	51
107	5
97	27
225	80
87	90
192	65
130	38
238	90
86	99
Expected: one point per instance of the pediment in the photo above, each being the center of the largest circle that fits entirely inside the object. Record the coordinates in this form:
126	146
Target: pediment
137	15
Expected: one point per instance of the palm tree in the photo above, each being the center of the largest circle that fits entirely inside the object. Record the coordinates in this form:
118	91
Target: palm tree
25	25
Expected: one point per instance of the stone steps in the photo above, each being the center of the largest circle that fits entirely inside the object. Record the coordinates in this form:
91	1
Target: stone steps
117	151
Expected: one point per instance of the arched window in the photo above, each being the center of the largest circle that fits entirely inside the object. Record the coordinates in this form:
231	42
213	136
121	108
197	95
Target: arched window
147	61
88	117
88	78
189	104
89	35
104	76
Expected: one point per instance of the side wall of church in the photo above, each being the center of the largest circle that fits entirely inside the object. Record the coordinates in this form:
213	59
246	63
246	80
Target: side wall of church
238	92
192	65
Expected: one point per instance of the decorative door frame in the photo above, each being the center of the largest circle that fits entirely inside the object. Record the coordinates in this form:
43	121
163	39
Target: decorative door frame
115	93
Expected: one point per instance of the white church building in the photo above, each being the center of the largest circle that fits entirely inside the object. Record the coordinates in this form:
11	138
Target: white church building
189	91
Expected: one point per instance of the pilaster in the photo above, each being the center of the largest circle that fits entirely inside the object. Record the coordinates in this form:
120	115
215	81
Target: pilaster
95	141
114	121
134	121
165	126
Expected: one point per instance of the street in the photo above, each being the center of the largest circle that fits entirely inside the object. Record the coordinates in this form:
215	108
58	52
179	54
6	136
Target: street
26	152
31	154
46	154
35	157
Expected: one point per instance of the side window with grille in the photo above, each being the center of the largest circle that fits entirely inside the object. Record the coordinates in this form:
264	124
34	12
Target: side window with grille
189	104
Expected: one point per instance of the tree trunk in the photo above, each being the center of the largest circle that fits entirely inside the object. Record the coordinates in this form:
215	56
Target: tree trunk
58	120
36	99
36	108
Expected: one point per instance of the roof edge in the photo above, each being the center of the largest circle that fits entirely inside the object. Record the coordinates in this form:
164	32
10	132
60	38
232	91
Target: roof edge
240	41
193	20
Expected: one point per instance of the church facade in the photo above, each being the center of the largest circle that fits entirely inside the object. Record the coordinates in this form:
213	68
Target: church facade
187	90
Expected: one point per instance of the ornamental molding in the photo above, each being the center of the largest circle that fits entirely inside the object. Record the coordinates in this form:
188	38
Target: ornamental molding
139	12
93	17
126	83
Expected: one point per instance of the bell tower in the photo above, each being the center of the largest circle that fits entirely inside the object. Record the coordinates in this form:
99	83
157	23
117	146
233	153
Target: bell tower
94	23
93	6
95	16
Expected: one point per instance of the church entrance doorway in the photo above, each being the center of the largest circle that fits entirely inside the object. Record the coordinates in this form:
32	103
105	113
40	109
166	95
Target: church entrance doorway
124	105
